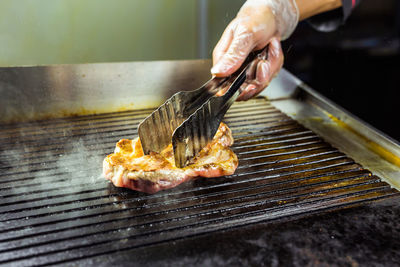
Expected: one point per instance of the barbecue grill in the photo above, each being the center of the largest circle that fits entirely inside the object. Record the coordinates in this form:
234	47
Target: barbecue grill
299	155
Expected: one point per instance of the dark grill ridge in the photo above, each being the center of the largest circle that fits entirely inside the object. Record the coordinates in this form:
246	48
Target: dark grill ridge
56	208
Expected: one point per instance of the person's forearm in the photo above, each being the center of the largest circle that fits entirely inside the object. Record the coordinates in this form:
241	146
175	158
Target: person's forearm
309	8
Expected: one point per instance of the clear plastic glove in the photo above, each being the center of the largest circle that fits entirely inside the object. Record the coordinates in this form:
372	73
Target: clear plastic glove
258	23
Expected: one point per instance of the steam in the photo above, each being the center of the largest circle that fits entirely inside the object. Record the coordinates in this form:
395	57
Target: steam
82	160
52	160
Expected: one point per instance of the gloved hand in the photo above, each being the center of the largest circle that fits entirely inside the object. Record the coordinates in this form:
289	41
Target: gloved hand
258	23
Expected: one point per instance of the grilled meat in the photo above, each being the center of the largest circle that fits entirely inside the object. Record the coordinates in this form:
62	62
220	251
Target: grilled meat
129	167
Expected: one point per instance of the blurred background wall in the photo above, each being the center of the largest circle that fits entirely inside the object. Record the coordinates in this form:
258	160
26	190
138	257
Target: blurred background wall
37	32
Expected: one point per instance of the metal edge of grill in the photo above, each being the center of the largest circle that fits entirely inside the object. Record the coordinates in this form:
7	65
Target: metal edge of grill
51	213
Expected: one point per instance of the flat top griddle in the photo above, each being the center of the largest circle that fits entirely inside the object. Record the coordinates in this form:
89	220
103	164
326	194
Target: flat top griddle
56	207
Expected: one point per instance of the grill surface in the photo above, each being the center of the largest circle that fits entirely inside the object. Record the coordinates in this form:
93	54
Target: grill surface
56	208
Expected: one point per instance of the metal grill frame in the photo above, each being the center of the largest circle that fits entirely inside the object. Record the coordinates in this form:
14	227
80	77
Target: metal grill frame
284	170
52	213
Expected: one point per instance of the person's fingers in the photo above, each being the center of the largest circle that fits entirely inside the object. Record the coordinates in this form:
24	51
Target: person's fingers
239	48
266	70
275	57
255	86
263	77
258	84
223	43
263	73
248	92
261	80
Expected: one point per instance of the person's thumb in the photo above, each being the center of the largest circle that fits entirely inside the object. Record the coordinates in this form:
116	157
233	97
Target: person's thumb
240	47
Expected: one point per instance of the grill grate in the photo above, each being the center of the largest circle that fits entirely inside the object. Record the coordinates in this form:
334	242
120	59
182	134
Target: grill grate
56	208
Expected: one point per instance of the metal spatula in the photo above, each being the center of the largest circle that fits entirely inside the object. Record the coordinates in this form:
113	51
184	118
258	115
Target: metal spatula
190	119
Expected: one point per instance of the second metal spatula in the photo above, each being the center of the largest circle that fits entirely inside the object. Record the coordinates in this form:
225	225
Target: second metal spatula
190	119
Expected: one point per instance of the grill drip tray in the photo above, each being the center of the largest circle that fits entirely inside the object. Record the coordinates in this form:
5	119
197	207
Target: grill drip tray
56	208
